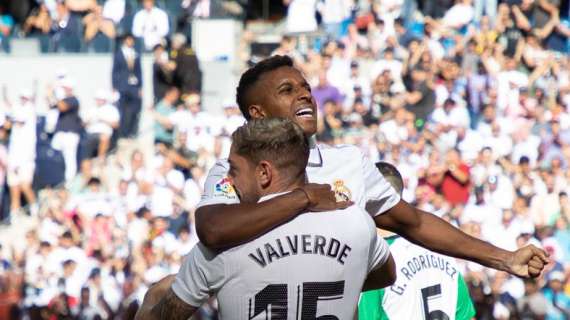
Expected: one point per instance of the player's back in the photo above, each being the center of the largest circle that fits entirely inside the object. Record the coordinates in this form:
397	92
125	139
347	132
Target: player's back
428	286
312	266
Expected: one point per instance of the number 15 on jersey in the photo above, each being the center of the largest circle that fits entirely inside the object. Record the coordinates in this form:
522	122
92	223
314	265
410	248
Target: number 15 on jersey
272	301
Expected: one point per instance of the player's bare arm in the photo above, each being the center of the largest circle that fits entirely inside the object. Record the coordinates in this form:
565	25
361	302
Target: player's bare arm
433	233
225	225
173	308
160	302
382	277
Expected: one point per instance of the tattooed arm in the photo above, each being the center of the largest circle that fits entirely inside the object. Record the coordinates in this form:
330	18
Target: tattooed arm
160	302
172	307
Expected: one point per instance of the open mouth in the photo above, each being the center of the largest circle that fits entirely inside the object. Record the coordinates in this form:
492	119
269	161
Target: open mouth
305	113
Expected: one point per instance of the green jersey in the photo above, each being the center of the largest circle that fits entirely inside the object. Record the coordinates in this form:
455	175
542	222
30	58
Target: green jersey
429	287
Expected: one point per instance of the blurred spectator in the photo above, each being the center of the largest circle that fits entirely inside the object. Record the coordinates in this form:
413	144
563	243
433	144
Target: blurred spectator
6	24
38	24
127	81
533	305
84	310
559	300
487	8
456	182
22	151
151	24
100	123
334	13
420	98
114	10
301	15
324	91
80	5
164	124
187	73
162	72
99	31
66	31
468	98
3	167
459	15
67	128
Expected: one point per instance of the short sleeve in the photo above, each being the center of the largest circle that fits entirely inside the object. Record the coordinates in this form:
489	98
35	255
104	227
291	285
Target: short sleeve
218	188
464	309
370	305
200	276
379	253
380	195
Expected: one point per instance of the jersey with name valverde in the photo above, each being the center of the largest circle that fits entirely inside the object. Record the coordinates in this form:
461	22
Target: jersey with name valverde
312	266
351	174
429	286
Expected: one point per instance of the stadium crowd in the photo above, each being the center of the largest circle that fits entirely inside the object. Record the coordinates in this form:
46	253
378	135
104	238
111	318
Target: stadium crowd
468	98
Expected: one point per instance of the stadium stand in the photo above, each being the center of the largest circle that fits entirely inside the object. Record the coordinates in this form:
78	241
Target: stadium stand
468	98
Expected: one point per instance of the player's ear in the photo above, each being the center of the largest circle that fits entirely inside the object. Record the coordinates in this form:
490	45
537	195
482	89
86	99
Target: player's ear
264	173
256	112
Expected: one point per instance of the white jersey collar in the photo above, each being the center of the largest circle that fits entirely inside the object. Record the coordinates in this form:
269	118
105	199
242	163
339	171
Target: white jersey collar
273	195
315	158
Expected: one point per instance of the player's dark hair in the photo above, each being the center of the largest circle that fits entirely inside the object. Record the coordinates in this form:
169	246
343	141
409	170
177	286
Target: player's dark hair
278	141
252	75
391	174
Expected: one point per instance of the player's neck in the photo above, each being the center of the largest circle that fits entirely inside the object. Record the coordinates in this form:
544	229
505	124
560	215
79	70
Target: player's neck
285	185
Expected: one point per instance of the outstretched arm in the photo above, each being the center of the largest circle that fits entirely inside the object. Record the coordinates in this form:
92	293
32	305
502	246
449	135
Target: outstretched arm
435	234
225	225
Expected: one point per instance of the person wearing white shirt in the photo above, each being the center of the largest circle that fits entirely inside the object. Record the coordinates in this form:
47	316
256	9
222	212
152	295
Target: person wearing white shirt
301	15
508	83
274	88
22	151
448	118
101	121
355	80
469	142
114	10
150	23
459	15
334	12
388	63
395	130
330	266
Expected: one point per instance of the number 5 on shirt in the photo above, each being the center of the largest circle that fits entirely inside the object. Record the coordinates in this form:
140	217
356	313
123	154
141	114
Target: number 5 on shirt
428	293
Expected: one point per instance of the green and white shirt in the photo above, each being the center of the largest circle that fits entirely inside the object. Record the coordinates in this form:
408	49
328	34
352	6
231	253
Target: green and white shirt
429	287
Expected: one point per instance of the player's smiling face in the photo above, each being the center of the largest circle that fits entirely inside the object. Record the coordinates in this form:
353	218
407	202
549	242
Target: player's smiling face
242	175
285	93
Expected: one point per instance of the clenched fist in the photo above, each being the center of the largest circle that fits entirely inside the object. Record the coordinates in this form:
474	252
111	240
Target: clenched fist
528	262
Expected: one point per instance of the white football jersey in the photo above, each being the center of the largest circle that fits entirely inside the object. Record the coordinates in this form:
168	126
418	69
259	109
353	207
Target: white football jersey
429	286
313	266
351	174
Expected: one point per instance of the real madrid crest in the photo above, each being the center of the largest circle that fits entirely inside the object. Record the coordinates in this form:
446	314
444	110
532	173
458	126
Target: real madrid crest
341	191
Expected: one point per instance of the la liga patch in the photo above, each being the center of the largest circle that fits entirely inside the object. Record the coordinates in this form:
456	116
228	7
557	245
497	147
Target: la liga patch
224	188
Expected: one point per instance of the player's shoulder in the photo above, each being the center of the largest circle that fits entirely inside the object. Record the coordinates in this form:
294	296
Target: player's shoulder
340	151
221	165
353	217
339	147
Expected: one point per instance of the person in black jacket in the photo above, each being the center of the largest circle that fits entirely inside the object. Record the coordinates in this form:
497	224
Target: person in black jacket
127	81
187	75
162	72
66	31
